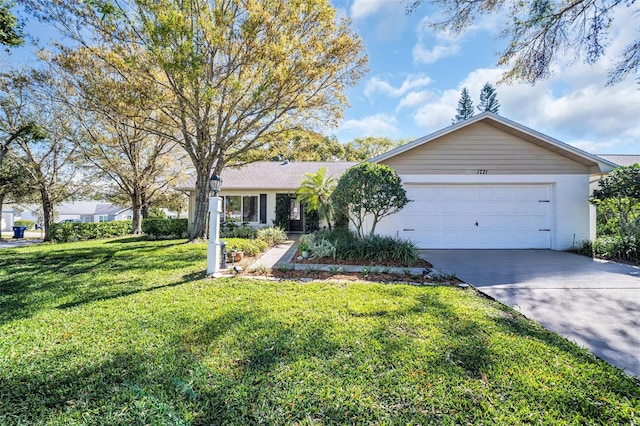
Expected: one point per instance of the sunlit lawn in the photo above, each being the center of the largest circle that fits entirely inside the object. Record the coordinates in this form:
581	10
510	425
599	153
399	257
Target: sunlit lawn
129	332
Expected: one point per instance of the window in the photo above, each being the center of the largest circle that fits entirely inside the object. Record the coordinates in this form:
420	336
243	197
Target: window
103	218
241	208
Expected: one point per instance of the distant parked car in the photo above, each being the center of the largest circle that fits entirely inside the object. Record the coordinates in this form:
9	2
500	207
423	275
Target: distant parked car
71	221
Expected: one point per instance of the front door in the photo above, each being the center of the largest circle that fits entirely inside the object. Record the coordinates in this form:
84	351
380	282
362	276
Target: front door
295	216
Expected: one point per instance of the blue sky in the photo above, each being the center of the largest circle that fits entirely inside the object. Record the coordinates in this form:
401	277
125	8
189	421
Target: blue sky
415	78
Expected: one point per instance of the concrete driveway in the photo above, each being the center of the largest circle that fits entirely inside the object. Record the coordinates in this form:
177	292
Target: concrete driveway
594	303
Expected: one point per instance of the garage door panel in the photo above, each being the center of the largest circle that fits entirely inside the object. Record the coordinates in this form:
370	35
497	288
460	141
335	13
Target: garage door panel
508	216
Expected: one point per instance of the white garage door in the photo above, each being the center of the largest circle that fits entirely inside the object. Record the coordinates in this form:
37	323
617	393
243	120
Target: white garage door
477	216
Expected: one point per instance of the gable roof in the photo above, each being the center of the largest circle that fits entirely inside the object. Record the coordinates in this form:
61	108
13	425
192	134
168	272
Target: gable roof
285	175
88	208
621	160
596	164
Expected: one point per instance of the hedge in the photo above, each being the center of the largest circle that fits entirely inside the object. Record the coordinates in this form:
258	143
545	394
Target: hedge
68	231
30	224
165	228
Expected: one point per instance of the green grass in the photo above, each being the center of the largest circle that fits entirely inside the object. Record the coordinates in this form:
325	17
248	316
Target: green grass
130	332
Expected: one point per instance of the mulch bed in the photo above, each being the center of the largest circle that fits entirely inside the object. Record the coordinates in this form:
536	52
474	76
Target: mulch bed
302	274
307	273
297	258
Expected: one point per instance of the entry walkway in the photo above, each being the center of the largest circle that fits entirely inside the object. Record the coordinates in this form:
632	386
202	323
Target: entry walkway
591	302
277	255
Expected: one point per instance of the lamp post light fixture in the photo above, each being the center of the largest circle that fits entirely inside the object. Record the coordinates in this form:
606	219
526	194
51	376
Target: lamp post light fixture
215	208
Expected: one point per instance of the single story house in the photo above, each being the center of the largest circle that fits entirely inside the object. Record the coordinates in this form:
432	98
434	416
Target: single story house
486	182
252	193
84	211
7	217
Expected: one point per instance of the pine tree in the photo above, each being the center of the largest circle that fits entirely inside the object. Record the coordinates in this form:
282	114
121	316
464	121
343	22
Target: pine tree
489	99
465	107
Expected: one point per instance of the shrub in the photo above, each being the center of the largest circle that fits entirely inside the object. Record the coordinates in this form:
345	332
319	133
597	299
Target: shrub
272	235
165	228
156	213
616	248
373	248
307	240
323	248
68	231
369	191
249	247
30	224
233	230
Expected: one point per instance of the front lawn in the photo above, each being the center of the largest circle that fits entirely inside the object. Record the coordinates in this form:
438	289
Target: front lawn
128	331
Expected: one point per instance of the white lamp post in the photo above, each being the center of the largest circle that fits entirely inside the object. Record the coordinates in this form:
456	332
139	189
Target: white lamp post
215	208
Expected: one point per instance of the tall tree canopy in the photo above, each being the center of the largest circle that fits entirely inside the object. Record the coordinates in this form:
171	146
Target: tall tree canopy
126	138
489	99
542	32
465	107
11	34
231	74
17	122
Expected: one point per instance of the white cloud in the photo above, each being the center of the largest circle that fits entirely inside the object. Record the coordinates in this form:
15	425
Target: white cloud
445	45
377	85
422	55
413	99
373	125
574	106
362	8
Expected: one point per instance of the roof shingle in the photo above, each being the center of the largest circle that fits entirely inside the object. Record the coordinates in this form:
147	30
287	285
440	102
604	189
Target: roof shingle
271	174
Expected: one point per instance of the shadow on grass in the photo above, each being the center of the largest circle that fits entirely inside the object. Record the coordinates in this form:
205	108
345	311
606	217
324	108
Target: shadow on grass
77	274
251	362
185	279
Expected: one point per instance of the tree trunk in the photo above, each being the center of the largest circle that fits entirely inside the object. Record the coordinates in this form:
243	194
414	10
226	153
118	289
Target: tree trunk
1	203
198	227
3	151
47	208
136	207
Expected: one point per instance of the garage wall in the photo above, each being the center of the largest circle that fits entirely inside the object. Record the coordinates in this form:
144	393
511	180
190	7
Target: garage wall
481	148
569	203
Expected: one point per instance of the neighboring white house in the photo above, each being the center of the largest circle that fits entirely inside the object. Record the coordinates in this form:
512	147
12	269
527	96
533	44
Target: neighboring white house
7	218
486	182
84	211
91	211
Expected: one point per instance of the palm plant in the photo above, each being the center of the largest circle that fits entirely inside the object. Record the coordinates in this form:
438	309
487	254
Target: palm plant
315	192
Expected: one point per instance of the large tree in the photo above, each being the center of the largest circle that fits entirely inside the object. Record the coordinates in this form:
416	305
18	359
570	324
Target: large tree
16	121
126	138
11	33
361	149
296	145
489	99
15	184
52	162
234	74
465	107
540	33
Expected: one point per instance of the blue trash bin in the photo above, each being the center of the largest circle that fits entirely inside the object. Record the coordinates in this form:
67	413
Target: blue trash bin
18	231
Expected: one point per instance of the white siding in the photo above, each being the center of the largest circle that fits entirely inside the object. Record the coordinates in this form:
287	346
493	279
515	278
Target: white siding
483	147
